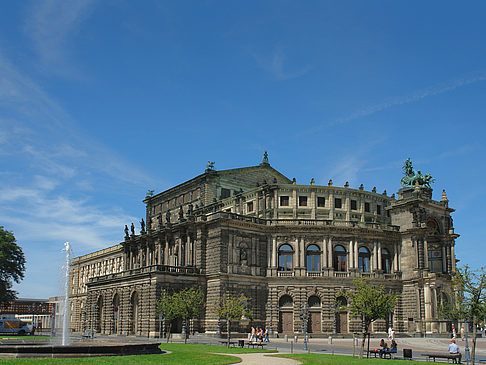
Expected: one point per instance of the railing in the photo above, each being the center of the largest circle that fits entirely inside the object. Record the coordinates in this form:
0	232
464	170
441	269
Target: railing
314	274
285	274
146	270
341	274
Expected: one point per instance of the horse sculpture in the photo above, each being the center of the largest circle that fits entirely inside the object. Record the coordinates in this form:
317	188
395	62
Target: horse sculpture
413	178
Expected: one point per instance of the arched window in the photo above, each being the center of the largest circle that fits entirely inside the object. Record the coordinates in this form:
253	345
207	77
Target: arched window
116	313
314	301
134	303
386	261
435	258
313	254
341	303
339	258
285	254
286	301
364	259
99	305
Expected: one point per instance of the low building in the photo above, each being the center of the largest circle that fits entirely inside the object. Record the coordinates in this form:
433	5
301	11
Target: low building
254	231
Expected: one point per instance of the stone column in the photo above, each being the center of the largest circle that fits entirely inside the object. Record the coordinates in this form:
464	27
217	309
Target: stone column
379	256
296	203
444	259
356	253
324	254
348	209
396	267
426	254
329	252
453	257
302	253
274	252
350	255
427	305
375	256
331	205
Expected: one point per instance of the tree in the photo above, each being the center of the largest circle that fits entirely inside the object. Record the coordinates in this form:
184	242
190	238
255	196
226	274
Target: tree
184	304
231	308
470	299
190	303
12	265
370	302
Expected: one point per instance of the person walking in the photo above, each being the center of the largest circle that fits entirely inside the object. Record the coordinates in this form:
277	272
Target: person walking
266	335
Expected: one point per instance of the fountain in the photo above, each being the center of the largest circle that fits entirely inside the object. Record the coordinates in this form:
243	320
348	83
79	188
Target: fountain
80	348
65	311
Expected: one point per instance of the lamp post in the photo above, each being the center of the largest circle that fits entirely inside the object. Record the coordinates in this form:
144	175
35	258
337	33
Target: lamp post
467	354
304	316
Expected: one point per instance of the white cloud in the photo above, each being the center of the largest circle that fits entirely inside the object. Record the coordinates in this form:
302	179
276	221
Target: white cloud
275	65
416	96
50	24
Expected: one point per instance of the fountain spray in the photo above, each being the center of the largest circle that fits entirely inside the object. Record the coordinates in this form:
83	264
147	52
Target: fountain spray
65	320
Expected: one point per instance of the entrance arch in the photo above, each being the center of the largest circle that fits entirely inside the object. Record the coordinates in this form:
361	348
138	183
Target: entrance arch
116	313
341	315
286	314
315	315
134	304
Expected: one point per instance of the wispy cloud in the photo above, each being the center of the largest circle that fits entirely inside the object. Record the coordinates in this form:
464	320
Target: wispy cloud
275	64
49	169
50	24
416	96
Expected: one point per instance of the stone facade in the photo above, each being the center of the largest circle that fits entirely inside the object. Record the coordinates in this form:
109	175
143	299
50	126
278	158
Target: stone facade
253	231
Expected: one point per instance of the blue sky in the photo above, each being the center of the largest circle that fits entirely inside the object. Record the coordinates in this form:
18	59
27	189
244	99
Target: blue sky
102	100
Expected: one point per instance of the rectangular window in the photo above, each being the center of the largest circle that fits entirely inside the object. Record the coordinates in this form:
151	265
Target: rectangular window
378	209
284	201
338	203
302	201
354	205
225	193
321	202
249	207
367	207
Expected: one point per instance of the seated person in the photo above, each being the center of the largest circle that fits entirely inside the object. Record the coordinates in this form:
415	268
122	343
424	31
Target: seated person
454	350
383	347
393	346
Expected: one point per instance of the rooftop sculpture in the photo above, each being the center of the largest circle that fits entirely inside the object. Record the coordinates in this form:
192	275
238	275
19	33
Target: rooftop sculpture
413	178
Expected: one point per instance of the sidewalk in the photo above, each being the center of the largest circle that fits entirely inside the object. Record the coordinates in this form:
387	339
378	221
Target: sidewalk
262	358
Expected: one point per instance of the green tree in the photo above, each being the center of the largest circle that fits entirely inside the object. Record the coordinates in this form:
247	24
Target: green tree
231	308
12	265
185	304
167	309
369	302
189	303
470	299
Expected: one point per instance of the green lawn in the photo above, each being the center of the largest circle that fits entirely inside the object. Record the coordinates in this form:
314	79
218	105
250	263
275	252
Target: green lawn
27	338
180	354
311	359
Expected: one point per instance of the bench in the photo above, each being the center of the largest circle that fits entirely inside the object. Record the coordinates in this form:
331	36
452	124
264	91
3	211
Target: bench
453	357
253	344
387	354
231	343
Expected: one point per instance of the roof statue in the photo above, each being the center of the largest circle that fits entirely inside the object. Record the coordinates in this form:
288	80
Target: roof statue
210	166
265	158
414	178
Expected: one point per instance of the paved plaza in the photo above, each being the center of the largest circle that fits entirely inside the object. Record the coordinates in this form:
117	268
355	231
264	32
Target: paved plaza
339	346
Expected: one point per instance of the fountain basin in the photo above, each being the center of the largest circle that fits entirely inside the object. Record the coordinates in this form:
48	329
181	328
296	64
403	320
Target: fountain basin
36	350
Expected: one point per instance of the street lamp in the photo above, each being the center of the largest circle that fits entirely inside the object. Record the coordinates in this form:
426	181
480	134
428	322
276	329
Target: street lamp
304	316
467	355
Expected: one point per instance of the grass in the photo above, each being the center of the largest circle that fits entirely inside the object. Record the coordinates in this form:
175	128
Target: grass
27	338
180	354
316	359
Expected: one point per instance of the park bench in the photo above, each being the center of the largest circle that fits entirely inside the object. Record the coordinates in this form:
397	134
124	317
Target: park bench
253	344
231	343
387	354
456	358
